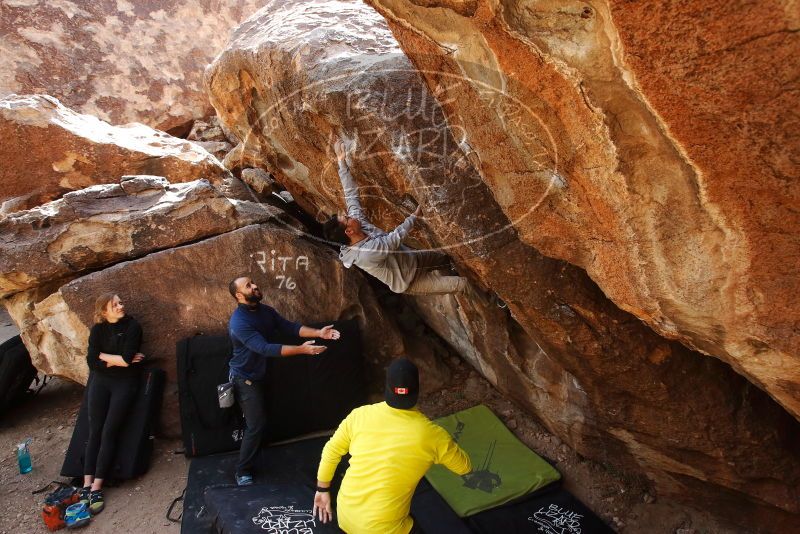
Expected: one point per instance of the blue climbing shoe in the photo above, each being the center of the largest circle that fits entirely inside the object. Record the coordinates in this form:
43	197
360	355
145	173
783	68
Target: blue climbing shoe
77	515
244	480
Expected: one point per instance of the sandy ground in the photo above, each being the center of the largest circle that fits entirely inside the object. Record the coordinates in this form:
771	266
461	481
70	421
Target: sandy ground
139	506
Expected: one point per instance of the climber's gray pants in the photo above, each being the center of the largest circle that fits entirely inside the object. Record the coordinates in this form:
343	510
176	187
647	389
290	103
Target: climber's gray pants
429	282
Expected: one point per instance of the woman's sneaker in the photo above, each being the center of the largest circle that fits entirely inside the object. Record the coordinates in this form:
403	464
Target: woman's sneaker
83	495
96	502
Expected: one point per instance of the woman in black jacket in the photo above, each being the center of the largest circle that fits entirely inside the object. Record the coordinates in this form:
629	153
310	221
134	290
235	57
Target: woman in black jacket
113	355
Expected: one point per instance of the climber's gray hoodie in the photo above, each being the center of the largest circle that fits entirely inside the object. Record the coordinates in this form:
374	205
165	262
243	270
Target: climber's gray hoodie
380	254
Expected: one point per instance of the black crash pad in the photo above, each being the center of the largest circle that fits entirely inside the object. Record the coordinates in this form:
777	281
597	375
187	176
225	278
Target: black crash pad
304	394
135	442
204	471
212	502
549	512
271	507
285	477
202	364
16	373
432	514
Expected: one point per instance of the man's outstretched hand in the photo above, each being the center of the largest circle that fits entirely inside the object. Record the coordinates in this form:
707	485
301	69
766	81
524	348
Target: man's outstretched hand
310	348
328	332
322	506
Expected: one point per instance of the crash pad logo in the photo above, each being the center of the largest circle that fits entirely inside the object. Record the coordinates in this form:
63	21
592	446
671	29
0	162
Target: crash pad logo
285	520
557	520
484	478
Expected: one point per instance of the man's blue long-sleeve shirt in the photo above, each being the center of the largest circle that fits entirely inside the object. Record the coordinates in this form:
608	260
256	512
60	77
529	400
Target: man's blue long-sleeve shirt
250	330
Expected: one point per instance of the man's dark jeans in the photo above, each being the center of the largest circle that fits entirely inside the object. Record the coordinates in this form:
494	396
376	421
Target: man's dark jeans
250	397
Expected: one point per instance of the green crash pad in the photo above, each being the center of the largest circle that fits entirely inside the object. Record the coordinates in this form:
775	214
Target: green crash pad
503	469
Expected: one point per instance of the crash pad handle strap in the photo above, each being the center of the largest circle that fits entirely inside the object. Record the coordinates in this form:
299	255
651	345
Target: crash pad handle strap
175	501
44	488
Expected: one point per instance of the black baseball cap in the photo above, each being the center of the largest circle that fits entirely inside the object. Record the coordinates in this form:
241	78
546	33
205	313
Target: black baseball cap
402	384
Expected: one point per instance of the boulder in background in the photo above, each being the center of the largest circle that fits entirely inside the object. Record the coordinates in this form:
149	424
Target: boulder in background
105	224
120	60
49	150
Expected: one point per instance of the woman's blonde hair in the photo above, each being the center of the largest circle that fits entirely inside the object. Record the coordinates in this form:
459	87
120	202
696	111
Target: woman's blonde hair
100	306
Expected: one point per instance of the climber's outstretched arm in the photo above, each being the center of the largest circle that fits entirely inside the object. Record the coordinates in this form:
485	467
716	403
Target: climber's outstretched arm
350	188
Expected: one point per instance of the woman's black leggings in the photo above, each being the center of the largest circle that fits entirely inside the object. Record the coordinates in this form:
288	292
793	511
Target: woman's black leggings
110	399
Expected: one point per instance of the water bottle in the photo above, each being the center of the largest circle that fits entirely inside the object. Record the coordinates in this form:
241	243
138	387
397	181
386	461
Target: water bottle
24	457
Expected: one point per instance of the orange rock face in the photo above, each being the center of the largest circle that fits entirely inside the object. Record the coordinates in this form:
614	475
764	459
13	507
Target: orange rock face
122	61
49	150
649	145
549	199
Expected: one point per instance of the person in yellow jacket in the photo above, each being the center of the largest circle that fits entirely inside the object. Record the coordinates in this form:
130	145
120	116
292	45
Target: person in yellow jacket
391	446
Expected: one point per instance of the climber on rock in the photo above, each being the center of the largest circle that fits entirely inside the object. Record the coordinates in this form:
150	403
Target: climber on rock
382	254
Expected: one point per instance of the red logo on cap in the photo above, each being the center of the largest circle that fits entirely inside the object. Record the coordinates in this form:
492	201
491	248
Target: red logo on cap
401	391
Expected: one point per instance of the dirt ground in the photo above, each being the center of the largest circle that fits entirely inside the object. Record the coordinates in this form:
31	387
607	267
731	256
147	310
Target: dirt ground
140	506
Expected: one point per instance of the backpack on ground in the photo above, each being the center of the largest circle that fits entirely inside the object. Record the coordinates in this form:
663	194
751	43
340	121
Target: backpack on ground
16	373
56	504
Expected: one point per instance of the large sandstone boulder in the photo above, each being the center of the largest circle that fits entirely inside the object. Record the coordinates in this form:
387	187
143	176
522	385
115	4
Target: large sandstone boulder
595	374
123	61
649	145
106	224
49	149
183	291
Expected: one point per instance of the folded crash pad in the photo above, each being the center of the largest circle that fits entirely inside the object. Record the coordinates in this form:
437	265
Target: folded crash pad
503	469
202	364
303	394
314	393
134	446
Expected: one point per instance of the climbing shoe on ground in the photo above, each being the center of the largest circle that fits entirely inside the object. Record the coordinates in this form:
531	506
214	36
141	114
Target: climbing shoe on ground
77	515
244	480
83	495
96	502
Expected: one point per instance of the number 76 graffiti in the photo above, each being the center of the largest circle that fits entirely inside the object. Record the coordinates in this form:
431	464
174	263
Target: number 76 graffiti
272	263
